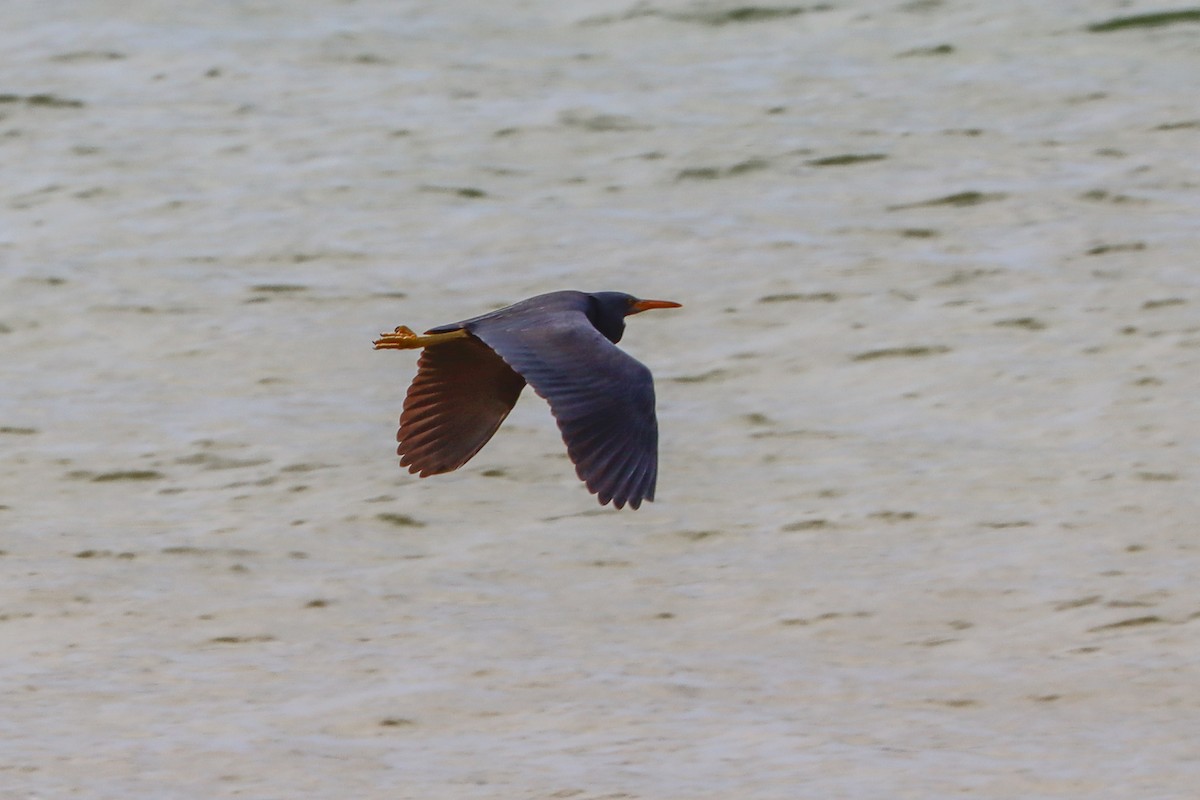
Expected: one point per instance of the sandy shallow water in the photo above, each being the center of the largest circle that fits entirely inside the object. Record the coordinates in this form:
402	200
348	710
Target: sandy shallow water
927	503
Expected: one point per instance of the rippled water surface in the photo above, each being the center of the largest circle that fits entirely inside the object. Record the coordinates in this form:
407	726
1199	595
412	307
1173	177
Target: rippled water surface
926	505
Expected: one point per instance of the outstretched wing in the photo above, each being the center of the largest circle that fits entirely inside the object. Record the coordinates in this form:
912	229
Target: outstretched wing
461	394
602	398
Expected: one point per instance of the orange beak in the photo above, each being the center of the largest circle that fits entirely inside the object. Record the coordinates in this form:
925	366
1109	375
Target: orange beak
638	306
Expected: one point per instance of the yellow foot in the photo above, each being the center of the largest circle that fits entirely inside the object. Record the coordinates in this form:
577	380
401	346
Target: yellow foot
403	338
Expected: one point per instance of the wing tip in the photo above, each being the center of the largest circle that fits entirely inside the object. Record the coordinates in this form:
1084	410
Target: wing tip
418	464
634	499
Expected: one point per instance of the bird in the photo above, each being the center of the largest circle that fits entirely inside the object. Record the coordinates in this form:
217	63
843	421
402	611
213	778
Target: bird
563	343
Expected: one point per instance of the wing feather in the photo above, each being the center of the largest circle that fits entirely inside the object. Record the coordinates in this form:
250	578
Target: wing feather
461	394
601	397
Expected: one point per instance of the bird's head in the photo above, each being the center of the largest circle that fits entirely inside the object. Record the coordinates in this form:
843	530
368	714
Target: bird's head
608	310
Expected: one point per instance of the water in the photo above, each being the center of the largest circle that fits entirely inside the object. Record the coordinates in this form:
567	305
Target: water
957	567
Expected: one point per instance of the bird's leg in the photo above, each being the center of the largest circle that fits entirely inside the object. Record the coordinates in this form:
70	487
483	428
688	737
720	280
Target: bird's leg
404	339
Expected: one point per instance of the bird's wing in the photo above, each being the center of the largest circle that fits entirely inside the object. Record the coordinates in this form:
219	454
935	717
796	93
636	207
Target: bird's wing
461	394
602	398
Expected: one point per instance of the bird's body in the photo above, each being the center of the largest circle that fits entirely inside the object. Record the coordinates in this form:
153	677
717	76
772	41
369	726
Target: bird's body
470	374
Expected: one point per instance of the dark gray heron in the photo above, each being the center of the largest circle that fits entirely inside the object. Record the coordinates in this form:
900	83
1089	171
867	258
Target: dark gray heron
563	344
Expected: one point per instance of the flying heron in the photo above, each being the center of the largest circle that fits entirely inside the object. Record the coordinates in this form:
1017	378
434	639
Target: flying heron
562	343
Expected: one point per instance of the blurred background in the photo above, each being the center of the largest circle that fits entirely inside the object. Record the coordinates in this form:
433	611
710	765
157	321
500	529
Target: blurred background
926	500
